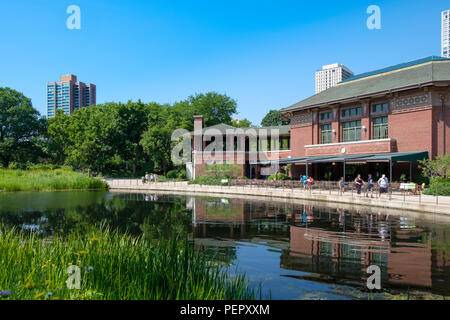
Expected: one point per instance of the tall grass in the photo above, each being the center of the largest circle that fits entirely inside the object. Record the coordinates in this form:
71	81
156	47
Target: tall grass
113	266
46	180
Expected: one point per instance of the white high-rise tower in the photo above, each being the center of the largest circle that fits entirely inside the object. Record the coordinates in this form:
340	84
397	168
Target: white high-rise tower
445	37
331	75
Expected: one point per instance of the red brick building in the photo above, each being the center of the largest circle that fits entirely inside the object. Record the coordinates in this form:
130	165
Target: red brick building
378	122
389	116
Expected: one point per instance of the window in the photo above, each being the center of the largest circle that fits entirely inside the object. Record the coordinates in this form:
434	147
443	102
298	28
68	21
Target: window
380	108
325	133
380	128
351	112
325	116
285	143
351	131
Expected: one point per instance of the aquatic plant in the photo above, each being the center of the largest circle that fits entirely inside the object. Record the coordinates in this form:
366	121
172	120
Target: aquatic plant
46	180
113	266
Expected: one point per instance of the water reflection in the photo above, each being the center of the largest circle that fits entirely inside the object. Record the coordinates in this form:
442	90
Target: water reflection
336	245
296	249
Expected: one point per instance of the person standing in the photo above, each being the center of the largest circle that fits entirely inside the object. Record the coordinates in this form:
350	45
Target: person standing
383	184
304	178
359	183
342	185
369	186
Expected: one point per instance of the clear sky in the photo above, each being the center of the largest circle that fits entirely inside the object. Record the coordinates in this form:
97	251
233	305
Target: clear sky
262	53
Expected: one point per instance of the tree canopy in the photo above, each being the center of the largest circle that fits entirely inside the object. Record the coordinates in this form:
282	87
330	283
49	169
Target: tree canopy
20	128
273	118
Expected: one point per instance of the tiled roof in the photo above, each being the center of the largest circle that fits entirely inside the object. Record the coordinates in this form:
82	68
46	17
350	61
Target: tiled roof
221	127
399	77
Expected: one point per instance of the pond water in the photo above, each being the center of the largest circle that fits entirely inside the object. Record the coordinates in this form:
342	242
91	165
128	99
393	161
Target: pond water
300	250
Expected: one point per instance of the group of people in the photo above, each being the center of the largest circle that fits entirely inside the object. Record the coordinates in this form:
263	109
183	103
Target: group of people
150	178
307	182
383	184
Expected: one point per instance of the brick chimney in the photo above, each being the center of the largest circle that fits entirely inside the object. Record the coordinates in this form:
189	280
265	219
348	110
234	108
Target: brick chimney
198	136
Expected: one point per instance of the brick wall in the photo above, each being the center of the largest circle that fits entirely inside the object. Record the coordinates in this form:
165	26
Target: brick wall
357	148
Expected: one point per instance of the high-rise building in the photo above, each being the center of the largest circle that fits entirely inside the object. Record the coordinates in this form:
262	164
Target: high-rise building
445	35
331	75
69	95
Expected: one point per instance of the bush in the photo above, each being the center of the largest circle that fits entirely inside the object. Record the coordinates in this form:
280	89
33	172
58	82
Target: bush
442	184
208	180
442	190
179	174
419	179
279	176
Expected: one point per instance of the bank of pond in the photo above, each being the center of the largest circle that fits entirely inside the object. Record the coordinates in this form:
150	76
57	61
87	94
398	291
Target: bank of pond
47	180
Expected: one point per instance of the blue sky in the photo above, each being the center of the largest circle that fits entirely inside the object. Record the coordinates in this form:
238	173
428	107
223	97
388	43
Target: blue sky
261	53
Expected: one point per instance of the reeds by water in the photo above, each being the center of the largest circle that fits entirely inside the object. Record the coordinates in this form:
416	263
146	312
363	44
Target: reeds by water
112	266
47	180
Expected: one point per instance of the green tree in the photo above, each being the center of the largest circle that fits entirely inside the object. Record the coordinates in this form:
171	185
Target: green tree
216	108
243	123
273	118
437	167
21	127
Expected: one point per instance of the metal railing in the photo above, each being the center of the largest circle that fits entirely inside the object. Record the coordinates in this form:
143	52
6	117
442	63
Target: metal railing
393	192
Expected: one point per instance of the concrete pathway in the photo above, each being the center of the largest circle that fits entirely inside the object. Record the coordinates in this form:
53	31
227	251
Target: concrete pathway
422	203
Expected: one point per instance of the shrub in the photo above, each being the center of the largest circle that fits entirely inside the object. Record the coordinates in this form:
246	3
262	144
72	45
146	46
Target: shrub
179	174
441	184
208	180
419	179
279	176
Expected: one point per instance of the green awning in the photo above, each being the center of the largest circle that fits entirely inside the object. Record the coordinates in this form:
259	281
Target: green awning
369	157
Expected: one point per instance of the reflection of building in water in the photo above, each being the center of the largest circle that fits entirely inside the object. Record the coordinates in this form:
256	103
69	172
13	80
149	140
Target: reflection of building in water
402	260
332	242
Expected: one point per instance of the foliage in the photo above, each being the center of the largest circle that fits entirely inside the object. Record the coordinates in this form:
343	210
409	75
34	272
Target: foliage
112	266
242	123
279	176
39	180
419	179
116	138
223	170
438	167
21	127
273	118
179	174
438	185
209	180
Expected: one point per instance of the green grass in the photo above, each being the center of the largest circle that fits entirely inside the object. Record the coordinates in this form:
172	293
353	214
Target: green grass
47	180
123	267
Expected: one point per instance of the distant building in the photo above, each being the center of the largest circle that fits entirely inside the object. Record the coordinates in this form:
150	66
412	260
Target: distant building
331	75
69	95
445	36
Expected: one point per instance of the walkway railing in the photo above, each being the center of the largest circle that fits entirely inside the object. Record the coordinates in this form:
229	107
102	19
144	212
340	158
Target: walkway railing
395	191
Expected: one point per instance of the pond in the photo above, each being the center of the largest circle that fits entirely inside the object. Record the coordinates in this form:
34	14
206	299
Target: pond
294	249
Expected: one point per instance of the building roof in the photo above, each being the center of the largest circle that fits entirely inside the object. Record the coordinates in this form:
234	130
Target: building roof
394	156
403	76
222	128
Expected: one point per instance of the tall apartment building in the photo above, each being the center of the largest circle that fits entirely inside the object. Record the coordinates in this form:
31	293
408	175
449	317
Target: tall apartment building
445	35
69	95
331	75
